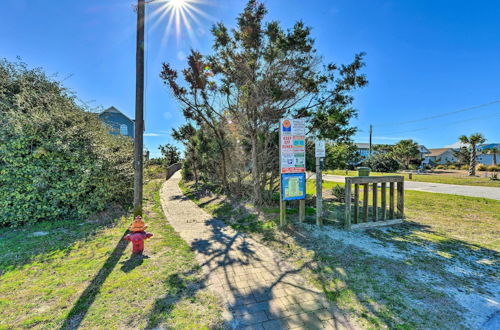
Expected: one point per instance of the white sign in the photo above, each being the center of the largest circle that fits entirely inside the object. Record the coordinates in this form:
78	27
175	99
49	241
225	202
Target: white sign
319	147
293	145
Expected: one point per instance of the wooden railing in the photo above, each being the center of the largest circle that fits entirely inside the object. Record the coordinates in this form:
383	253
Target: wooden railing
172	169
357	220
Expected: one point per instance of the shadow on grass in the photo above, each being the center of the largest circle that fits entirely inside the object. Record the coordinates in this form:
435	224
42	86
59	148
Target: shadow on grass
41	240
82	305
133	262
414	288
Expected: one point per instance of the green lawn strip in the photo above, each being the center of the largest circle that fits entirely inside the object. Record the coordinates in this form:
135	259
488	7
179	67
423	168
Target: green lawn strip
433	178
475	220
380	291
81	274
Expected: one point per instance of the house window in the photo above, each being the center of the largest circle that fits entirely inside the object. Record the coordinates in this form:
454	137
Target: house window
123	129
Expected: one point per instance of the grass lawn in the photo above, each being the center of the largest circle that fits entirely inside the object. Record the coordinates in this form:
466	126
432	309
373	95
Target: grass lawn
438	270
434	178
80	274
475	220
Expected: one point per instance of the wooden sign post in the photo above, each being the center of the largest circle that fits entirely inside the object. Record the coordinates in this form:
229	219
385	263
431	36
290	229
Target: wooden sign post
320	152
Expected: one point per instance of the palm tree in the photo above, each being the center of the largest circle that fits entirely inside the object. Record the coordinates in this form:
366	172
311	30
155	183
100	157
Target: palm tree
472	141
494	151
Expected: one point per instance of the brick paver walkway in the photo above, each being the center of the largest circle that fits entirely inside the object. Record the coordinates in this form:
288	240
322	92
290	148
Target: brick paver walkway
260	291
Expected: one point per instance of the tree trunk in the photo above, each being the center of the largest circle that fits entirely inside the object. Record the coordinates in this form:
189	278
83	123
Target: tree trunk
494	159
224	169
472	166
255	172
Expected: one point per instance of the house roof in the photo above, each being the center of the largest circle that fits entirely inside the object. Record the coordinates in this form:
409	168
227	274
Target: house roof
423	149
113	109
489	146
362	145
437	152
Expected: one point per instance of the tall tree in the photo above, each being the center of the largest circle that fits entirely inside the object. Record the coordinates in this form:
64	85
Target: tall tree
405	151
493	151
170	154
259	73
472	141
462	155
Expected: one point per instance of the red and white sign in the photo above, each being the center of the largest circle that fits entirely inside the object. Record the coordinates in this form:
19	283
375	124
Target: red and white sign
292	145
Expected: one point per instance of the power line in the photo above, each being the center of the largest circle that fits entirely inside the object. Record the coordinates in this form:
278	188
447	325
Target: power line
434	126
440	115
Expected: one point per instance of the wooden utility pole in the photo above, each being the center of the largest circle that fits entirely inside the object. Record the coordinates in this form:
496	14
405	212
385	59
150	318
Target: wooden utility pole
371	132
139	110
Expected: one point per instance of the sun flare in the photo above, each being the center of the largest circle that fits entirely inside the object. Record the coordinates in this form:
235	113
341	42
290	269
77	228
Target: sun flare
179	16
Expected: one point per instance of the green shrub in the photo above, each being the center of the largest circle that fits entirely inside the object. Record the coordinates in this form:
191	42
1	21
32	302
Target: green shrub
56	160
382	162
482	167
338	193
494	168
452	167
464	167
440	167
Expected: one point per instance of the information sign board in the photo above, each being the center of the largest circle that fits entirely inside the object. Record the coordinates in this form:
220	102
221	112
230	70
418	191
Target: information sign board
319	148
292	145
293	186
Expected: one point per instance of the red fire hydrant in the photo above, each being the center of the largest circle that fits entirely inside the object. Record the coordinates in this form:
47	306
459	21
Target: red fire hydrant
138	235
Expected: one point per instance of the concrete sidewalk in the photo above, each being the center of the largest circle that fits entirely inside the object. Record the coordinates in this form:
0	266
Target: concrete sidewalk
260	290
454	189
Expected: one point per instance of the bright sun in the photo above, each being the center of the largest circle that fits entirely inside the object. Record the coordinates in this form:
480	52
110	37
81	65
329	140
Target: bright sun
177	3
179	15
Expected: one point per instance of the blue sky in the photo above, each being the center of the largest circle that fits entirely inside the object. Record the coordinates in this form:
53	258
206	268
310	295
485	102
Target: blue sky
424	57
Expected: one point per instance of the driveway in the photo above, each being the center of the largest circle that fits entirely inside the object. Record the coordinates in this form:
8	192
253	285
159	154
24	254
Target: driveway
442	188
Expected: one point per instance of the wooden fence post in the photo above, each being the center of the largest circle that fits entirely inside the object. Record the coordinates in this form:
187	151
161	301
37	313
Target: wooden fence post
365	201
375	202
356	203
391	200
347	220
401	200
383	205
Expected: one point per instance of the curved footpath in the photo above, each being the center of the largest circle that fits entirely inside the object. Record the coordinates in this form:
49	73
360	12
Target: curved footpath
442	188
259	290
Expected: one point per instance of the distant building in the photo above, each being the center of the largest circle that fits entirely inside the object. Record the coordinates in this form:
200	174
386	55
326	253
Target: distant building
440	156
364	149
118	122
487	158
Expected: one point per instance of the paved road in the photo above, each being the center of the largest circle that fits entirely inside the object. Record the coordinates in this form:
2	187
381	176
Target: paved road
260	290
454	189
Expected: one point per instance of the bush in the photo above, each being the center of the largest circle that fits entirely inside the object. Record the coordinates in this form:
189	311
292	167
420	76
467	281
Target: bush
464	167
482	167
382	162
494	168
56	160
186	172
338	193
452	167
440	167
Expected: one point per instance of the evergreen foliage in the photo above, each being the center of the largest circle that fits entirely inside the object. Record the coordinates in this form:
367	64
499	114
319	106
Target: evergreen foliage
56	160
233	100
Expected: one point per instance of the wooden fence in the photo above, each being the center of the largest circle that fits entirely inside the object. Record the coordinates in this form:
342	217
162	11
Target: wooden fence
172	169
384	217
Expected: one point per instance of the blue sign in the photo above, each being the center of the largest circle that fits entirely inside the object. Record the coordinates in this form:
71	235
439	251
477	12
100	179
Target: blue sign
293	186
